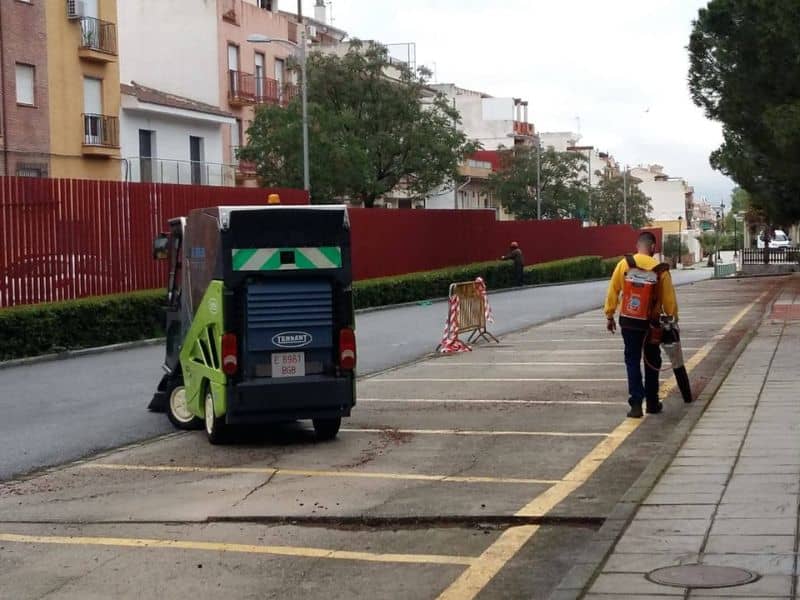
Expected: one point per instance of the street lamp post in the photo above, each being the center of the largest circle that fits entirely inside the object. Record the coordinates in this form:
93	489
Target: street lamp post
257	38
625	195
538	177
679	262
717	236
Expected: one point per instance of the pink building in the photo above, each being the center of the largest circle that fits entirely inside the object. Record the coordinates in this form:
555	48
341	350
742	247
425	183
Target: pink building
251	74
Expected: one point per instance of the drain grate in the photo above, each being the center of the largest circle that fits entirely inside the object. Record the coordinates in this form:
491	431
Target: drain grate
702	576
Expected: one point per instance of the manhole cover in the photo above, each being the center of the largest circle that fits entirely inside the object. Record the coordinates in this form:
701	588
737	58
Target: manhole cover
702	576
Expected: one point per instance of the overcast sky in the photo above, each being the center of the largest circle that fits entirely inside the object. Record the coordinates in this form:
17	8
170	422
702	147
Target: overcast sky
618	66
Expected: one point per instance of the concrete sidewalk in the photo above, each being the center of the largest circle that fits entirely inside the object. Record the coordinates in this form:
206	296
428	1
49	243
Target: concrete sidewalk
730	496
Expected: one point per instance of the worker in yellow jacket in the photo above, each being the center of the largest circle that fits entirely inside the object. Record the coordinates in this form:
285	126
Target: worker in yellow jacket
635	331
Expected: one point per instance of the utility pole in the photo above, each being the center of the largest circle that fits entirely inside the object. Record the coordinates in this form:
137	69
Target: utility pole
304	95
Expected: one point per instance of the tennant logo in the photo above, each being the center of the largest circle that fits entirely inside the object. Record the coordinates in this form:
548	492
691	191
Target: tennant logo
292	339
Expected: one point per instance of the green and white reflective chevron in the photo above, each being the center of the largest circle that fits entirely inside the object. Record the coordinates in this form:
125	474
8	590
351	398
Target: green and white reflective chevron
286	259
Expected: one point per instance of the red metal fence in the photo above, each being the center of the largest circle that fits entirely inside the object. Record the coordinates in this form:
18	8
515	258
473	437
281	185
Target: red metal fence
64	239
391	242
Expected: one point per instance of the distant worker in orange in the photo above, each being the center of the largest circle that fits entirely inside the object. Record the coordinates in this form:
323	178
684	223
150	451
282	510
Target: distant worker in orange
647	293
515	255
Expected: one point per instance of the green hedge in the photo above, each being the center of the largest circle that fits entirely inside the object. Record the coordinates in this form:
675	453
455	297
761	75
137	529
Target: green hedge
100	321
425	285
46	328
609	264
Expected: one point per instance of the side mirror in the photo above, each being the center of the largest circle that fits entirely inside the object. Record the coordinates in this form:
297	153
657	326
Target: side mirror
161	246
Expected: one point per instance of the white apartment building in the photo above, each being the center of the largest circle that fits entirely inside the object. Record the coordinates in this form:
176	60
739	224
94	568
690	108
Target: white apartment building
669	196
598	163
171	124
493	122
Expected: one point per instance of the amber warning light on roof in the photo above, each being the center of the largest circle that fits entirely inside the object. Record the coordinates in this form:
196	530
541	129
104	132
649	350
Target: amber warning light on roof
273	199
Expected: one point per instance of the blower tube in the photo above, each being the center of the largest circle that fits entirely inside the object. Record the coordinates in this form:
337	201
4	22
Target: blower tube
671	343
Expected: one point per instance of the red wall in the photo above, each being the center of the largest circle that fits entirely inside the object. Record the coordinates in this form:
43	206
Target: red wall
391	242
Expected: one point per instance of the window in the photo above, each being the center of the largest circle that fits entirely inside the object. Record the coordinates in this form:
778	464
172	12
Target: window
266	4
236	136
31	170
259	73
94	130
26	75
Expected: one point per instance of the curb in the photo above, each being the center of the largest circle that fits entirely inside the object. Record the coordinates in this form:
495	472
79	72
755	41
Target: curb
67	354
426	301
587	564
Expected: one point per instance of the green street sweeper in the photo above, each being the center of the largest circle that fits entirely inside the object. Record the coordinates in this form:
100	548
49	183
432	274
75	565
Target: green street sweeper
260	326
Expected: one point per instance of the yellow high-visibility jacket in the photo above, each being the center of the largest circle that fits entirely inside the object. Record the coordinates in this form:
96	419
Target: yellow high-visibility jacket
667	304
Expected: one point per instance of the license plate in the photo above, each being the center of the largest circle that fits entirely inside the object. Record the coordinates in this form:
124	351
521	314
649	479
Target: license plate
289	364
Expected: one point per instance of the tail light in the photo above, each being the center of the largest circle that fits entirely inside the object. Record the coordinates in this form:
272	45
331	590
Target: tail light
230	357
347	349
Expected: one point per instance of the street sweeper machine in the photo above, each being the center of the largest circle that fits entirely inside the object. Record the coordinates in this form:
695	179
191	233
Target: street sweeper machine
260	325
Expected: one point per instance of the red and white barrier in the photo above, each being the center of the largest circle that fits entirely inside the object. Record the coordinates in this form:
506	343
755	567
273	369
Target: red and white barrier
481	285
450	342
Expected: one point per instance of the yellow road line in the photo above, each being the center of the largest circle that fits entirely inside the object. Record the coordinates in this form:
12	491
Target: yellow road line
297	551
488	564
477	576
472	432
269	471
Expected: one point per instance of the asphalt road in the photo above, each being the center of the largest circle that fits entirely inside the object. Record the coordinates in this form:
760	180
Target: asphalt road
482	475
59	411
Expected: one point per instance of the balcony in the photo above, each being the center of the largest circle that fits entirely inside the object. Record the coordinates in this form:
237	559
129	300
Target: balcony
244	169
100	135
246	89
521	128
229	12
271	91
98	40
241	88
143	169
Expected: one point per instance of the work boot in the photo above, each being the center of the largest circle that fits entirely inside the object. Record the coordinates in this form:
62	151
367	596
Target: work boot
655	408
635	412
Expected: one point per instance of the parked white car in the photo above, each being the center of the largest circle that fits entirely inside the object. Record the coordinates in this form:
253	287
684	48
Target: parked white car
779	241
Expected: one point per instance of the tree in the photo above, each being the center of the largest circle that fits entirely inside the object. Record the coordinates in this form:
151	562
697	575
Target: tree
744	73
740	202
609	202
564	191
374	127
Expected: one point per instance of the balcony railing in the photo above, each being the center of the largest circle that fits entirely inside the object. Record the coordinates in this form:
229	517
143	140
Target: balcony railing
521	128
145	169
100	130
241	88
245	88
244	168
97	35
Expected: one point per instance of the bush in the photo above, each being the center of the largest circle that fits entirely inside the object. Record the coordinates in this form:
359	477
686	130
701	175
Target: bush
100	321
425	285
609	264
89	322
